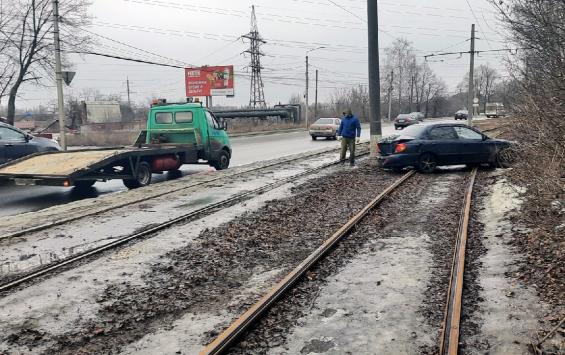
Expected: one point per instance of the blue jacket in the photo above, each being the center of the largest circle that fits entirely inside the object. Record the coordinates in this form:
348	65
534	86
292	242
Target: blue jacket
349	127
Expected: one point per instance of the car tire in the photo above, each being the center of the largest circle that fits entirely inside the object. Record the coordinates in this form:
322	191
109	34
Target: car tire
314	138
142	178
223	161
427	163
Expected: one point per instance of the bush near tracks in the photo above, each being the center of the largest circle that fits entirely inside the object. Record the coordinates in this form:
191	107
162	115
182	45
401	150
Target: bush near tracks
537	100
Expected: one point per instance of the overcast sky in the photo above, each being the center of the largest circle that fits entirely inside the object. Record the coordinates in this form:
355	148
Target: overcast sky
207	33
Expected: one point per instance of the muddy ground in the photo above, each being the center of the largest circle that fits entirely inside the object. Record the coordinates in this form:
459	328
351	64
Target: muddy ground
205	275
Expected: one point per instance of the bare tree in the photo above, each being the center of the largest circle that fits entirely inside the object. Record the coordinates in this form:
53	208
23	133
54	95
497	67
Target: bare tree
399	58
26	37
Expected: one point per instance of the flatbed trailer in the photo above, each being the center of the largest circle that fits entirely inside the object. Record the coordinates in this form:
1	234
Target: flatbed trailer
133	165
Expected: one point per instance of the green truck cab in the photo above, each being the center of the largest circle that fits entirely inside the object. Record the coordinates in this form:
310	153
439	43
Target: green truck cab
192	126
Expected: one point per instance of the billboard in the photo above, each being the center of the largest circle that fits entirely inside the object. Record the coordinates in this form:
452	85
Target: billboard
209	81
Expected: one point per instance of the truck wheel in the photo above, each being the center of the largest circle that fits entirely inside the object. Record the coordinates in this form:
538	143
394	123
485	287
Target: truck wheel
143	177
223	161
84	184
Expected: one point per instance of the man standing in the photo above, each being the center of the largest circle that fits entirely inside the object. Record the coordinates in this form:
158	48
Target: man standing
349	133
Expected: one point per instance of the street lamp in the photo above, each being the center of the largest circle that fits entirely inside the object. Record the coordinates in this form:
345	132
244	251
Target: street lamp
307	77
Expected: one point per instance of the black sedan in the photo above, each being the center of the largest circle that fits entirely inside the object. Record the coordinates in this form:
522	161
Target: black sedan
425	147
461	115
15	143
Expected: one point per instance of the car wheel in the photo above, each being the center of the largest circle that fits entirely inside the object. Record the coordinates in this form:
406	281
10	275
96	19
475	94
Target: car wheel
427	163
223	161
142	178
314	138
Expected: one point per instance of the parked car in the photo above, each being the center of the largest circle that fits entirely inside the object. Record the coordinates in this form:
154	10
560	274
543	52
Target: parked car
461	115
426	146
15	143
325	127
419	116
405	120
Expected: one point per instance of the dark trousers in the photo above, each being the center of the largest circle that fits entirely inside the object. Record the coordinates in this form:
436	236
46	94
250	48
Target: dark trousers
345	144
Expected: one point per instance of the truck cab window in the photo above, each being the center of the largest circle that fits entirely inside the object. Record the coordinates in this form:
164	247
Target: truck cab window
183	117
212	122
164	117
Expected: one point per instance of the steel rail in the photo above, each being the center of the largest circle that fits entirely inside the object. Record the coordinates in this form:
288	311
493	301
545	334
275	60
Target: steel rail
452	316
183	218
120	205
240	325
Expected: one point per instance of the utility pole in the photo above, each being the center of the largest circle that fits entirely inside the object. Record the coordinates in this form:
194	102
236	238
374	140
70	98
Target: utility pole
316	98
127	84
59	74
471	94
374	76
390	95
306	94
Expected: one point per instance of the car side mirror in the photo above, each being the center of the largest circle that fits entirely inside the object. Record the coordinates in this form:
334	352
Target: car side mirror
28	137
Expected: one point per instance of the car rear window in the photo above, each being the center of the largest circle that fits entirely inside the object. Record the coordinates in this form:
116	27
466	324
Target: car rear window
325	121
414	131
404	115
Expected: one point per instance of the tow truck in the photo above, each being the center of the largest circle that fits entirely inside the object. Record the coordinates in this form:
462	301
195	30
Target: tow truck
176	134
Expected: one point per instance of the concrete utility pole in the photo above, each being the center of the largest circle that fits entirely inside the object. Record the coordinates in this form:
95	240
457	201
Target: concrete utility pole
127	84
306	94
316	98
390	94
307	78
374	76
59	75
471	95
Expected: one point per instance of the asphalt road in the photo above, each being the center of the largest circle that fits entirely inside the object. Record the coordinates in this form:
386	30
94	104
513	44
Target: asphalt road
246	149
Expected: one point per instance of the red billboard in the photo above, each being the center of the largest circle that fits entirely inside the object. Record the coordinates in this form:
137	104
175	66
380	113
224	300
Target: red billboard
209	81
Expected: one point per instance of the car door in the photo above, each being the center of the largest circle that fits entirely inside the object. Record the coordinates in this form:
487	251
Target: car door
14	144
444	144
475	149
214	134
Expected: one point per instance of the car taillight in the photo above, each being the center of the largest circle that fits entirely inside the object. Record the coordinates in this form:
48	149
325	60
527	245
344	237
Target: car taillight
400	147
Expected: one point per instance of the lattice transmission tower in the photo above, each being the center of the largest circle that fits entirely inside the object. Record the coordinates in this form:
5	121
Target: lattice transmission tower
256	95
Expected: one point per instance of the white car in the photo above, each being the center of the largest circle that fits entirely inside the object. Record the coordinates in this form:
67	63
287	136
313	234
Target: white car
325	127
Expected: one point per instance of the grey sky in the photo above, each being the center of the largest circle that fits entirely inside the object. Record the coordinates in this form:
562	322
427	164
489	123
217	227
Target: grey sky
198	32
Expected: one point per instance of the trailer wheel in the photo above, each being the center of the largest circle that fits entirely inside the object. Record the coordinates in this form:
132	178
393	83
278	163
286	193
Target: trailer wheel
143	177
84	184
223	161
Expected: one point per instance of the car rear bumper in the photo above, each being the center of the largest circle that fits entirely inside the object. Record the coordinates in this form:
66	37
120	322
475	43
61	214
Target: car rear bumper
397	160
322	133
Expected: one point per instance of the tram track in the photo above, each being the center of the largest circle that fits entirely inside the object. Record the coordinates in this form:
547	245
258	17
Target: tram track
65	220
450	327
28	278
232	333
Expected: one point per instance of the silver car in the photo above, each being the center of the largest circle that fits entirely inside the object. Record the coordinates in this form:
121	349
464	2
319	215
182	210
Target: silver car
325	127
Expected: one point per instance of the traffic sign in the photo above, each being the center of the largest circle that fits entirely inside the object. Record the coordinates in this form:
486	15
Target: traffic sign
68	77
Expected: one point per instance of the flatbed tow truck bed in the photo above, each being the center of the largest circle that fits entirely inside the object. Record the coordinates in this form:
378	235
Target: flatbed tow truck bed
69	168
